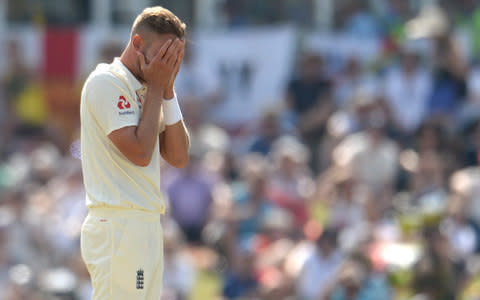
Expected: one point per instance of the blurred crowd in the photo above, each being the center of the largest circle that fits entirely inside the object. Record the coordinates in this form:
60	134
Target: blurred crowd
363	184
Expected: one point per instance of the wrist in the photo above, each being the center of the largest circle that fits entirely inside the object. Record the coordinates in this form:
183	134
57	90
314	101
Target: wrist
156	88
169	93
171	111
156	92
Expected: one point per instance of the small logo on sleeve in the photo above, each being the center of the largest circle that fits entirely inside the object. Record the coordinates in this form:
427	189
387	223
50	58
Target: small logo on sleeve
140	279
123	103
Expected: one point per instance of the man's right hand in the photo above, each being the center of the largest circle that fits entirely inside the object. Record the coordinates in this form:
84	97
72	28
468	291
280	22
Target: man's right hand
159	71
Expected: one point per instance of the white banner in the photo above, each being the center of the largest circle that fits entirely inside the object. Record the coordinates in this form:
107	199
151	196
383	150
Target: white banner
252	67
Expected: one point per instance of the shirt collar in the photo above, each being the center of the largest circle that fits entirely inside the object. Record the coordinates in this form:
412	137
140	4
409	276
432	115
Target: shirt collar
132	80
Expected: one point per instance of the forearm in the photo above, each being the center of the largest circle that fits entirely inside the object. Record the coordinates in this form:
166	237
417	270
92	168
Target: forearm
147	129
175	143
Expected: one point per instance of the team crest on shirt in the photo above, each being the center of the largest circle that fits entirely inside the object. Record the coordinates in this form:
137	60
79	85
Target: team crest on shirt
140	279
123	104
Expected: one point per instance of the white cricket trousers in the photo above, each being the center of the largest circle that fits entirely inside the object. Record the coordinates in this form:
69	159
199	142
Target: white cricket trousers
123	252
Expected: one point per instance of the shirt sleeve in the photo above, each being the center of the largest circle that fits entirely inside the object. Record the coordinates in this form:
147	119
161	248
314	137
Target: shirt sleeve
111	103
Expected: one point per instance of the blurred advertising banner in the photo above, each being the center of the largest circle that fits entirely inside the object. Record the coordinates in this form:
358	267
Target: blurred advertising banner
251	66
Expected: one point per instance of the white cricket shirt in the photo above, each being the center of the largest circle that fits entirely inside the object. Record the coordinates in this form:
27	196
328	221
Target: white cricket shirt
112	99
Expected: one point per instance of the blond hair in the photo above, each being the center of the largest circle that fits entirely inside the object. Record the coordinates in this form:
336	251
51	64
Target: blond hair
159	20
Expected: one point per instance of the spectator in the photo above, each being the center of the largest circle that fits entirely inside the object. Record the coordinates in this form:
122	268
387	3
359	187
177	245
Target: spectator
449	78
269	131
406	92
251	206
239	281
290	183
190	215
370	150
310	97
436	276
356	281
179	274
345	198
320	268
350	80
429	177
462	232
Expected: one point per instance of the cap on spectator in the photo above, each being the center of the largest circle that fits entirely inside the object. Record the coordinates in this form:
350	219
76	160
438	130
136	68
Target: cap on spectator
289	146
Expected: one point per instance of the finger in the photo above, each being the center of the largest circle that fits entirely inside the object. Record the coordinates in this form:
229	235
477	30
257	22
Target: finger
182	52
178	62
161	53
172	60
181	47
171	54
141	58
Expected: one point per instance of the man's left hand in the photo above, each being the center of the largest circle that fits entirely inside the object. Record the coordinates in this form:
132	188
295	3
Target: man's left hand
169	92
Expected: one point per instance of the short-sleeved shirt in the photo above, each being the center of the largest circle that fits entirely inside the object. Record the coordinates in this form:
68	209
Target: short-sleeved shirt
112	99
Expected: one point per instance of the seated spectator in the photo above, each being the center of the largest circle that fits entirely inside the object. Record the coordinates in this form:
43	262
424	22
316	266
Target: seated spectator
345	198
310	97
449	78
251	206
179	275
370	150
268	132
462	232
406	91
436	275
289	183
428	177
430	137
351	78
239	281
356	281
320	268
191	183
471	144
